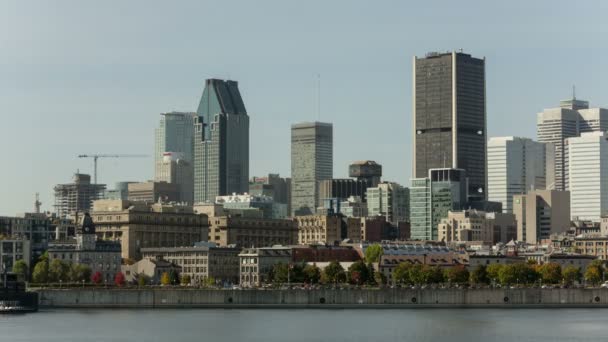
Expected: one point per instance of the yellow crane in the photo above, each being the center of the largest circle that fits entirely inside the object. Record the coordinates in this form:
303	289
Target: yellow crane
97	156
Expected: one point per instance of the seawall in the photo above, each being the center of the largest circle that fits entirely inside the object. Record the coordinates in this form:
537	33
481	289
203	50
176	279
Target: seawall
325	298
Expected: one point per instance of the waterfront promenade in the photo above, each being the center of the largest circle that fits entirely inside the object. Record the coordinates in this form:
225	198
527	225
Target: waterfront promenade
321	298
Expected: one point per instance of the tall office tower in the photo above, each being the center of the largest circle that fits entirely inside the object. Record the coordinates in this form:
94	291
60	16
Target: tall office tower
588	175
572	118
515	166
540	213
450	117
366	170
311	162
221	142
432	197
175	169
77	196
175	133
389	200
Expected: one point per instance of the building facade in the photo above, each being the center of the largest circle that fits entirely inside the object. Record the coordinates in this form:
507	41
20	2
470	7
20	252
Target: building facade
175	133
256	264
390	200
140	225
151	192
221	142
541	213
473	225
366	170
324	229
251	232
515	166
13	250
341	189
311	162
77	196
588	176
450	116
274	186
174	169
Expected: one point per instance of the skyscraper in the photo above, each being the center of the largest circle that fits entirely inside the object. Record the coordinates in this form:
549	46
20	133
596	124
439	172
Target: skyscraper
515	166
311	162
572	118
450	117
175	133
221	142
588	175
389	200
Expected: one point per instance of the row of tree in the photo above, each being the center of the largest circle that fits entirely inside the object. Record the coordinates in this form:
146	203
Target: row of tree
358	273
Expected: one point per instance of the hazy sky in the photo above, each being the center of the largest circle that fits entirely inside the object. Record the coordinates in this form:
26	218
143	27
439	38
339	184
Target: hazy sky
93	76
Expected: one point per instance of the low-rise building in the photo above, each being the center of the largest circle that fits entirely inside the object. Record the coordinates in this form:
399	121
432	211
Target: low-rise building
141	225
474	225
325	229
151	192
251	232
322	253
201	262
595	245
100	256
256	264
486	260
152	269
13	250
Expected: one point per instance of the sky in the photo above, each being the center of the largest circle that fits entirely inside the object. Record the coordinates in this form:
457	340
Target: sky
93	76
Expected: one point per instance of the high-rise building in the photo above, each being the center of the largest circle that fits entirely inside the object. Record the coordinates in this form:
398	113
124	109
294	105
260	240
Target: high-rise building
77	196
311	162
176	170
432	197
515	166
175	133
389	200
366	170
341	189
221	142
274	186
540	213
588	175
450	117
572	118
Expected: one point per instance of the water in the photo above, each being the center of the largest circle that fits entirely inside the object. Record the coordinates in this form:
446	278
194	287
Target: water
271	325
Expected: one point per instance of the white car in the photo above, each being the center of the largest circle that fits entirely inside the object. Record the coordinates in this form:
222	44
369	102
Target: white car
604	285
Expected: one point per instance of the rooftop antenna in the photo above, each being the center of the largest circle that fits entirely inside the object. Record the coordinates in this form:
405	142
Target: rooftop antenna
573	92
37	203
319	96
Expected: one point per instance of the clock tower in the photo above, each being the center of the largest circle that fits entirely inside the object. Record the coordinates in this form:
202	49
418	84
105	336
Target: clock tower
85	237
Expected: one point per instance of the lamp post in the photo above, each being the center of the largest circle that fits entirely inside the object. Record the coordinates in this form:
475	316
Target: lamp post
60	282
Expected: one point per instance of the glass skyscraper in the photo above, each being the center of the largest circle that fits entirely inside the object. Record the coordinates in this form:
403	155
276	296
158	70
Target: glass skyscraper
450	117
175	133
221	142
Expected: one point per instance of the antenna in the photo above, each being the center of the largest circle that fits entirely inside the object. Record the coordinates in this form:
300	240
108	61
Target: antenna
573	92
319	96
37	203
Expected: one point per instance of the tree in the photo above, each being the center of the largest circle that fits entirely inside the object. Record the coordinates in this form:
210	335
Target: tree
119	279
572	275
97	278
380	278
358	273
373	253
174	276
280	275
593	274
80	272
456	274
185	280
371	274
522	273
59	271
41	272
479	275
550	273
417	275
401	274
493	272
21	269
333	273
165	278
312	274
142	279
432	274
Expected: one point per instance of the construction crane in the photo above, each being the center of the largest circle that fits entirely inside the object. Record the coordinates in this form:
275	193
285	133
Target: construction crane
97	156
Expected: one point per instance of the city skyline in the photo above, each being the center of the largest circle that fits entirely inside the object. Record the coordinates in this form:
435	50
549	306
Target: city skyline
97	107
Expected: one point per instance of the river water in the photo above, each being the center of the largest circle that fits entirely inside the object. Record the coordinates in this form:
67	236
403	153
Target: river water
272	325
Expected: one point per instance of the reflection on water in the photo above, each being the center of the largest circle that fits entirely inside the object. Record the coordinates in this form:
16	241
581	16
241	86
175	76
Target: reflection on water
270	325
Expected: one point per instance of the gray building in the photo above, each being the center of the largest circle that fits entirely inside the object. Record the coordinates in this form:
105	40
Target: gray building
273	186
341	189
366	170
33	227
389	200
541	213
175	133
12	250
450	116
120	191
311	162
77	196
221	142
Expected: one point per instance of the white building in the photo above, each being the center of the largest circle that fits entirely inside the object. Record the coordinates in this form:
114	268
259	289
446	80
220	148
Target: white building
175	133
515	166
390	200
174	168
588	175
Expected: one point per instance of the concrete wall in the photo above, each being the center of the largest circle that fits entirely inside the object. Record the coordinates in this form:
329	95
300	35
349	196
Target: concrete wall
157	298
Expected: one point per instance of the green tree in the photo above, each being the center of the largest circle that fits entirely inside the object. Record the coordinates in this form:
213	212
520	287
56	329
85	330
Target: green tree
185	279
142	279
41	272
456	274
59	271
165	278
208	282
174	277
593	274
432	274
493	272
358	273
550	273
21	269
280	275
572	275
380	278
371	277
522	273
401	274
312	274
417	275
479	275
80	272
333	273
373	253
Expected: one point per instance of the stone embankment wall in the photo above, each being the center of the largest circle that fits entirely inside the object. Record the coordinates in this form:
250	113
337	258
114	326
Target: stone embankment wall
389	298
